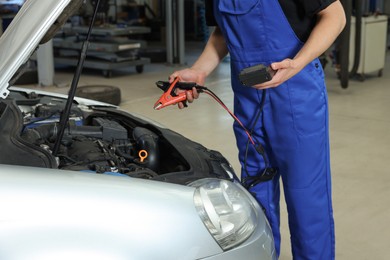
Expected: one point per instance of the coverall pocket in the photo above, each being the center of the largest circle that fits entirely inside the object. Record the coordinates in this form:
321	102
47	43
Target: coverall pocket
242	22
308	101
237	7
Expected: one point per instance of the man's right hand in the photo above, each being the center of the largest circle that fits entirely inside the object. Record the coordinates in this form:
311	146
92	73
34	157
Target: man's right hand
189	75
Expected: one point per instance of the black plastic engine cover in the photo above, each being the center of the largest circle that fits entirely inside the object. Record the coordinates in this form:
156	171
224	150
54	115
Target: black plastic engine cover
13	150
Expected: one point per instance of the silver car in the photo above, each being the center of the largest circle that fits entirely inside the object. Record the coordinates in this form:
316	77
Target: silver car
119	186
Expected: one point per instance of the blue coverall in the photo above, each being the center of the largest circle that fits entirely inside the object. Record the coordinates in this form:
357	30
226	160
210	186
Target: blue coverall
293	126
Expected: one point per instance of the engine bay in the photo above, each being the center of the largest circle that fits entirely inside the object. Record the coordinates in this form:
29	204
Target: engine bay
93	141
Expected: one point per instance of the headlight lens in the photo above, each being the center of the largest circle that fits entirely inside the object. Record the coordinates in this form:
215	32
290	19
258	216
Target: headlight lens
226	210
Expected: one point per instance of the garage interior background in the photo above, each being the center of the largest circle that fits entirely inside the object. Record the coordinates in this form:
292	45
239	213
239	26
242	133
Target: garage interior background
137	43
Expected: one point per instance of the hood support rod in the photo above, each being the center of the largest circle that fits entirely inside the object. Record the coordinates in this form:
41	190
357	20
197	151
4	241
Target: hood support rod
66	112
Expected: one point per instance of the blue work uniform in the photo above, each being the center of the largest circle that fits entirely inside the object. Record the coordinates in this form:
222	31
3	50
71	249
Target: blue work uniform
293	126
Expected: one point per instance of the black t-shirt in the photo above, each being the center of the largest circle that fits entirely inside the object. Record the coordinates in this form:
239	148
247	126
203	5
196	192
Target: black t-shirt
301	14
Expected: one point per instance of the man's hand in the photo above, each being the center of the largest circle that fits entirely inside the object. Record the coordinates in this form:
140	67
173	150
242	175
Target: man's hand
285	69
189	75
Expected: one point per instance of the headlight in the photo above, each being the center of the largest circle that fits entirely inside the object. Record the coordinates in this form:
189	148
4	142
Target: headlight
226	210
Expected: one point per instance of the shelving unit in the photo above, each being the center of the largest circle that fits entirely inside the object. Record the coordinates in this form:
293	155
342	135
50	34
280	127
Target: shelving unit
110	48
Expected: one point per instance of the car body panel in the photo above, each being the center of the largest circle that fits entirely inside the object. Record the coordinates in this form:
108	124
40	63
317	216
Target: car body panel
81	101
31	29
47	214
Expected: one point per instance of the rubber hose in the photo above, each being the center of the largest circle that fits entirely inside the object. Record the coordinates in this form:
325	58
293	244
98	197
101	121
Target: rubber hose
148	141
358	36
344	41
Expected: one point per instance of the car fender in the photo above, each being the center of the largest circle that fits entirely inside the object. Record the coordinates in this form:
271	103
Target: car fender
54	214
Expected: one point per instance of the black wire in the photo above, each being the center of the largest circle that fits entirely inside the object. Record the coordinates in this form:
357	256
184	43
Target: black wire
251	139
257	117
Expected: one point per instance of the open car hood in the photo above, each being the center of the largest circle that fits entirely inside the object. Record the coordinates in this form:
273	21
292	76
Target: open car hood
36	20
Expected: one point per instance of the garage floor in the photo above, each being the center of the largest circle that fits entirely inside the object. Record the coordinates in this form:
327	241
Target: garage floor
360	144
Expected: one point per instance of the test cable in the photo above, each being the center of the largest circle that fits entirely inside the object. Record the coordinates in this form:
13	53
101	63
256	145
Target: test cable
268	173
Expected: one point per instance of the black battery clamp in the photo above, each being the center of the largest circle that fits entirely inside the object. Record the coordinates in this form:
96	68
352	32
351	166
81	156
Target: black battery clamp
254	75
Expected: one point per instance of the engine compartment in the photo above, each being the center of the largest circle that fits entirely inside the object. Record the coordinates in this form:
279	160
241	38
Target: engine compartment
103	146
93	141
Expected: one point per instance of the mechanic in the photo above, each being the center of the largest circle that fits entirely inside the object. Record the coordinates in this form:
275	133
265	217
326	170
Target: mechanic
293	124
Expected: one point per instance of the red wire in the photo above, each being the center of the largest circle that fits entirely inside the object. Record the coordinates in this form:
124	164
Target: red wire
231	114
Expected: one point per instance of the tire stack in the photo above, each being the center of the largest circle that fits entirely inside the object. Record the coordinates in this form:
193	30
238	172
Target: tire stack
103	93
